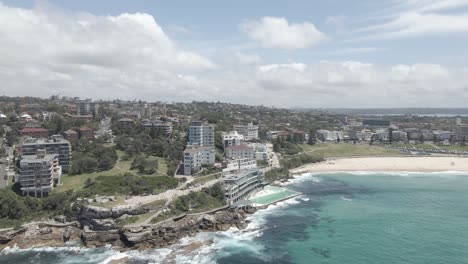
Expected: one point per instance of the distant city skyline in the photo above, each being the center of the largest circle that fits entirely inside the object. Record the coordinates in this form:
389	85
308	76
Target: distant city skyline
310	54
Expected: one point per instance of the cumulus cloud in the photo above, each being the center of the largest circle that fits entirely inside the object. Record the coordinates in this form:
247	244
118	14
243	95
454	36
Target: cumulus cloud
129	56
357	84
277	32
54	51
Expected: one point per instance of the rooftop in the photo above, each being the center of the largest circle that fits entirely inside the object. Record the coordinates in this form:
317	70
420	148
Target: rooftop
239	147
36	158
33	129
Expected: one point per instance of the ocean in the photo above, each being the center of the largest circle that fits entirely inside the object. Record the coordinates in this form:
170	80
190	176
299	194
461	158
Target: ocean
414	218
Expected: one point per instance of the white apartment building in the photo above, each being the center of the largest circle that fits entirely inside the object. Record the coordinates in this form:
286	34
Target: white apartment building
326	135
382	134
233	138
249	131
240	152
366	135
261	151
39	173
201	134
236	165
195	157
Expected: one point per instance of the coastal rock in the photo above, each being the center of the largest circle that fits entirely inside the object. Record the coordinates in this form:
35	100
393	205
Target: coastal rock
102	224
91	238
67	233
60	219
118	211
96	212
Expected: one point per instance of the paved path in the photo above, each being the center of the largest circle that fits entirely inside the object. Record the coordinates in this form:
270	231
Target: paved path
169	194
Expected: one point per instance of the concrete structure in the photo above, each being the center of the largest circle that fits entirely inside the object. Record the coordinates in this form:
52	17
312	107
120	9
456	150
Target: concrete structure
53	145
164	127
87	107
35	132
238	186
366	134
70	135
233	138
249	131
283	135
126	123
236	165
399	136
39	173
146	111
326	135
195	157
240	152
262	152
201	134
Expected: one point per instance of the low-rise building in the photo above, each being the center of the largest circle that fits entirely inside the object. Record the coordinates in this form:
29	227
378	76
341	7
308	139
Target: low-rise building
283	135
126	123
233	138
86	132
326	135
240	152
249	131
238	186
39	173
70	135
164	128
262	152
35	132
236	165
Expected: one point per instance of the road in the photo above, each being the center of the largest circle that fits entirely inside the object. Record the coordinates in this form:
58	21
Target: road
5	172
105	128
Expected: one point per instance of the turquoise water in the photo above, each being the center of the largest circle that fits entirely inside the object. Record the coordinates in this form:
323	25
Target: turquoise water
368	218
341	218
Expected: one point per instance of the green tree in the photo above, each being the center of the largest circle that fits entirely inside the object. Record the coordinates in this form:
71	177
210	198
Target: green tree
312	137
390	135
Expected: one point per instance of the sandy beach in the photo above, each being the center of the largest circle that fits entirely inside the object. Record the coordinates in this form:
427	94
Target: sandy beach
388	164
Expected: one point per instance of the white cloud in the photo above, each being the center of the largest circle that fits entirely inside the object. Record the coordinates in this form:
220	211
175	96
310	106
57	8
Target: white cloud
84	54
277	32
357	84
421	17
130	56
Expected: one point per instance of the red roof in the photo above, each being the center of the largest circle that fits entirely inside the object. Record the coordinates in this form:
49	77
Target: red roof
85	129
33	129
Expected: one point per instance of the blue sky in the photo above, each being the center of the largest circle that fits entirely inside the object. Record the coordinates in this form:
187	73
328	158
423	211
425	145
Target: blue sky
415	48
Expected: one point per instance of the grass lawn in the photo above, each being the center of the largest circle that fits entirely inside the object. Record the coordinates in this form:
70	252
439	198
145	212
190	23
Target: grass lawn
327	150
204	179
454	147
418	146
73	182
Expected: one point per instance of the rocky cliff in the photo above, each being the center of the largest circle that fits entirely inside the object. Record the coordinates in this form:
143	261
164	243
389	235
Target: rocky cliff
98	227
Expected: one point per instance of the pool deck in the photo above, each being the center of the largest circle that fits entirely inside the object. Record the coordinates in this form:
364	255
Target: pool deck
271	198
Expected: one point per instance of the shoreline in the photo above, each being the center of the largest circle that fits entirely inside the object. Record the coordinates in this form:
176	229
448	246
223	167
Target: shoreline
386	164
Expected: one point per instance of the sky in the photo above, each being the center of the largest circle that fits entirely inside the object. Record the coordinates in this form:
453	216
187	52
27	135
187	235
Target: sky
302	53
